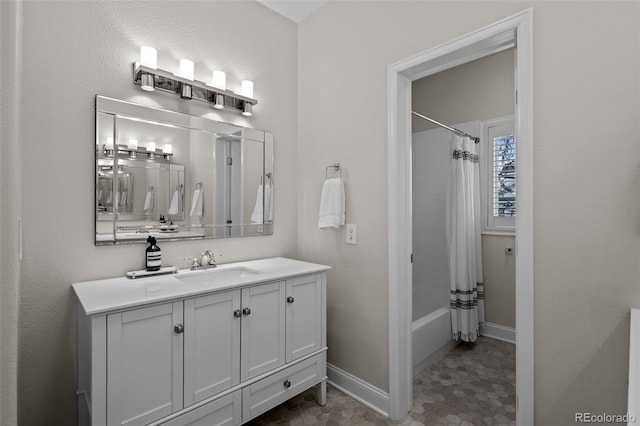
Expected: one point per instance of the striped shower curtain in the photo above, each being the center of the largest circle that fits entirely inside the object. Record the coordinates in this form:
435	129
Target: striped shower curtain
463	240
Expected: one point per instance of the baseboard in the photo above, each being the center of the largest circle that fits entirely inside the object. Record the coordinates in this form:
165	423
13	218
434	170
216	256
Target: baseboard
434	357
359	390
499	332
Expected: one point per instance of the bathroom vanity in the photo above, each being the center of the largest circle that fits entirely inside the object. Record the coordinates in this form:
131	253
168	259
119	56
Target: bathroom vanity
209	347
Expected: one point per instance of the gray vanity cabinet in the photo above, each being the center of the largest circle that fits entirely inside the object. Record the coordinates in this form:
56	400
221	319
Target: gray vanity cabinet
219	358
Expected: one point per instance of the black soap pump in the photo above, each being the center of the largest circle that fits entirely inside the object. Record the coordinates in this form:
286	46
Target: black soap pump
154	255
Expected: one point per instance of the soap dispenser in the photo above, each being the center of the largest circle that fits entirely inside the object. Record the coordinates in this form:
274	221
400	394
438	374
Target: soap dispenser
154	255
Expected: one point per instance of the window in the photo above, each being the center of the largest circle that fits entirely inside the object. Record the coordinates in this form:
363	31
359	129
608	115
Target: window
500	175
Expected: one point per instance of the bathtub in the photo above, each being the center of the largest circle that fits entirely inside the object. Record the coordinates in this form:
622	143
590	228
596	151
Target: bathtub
431	328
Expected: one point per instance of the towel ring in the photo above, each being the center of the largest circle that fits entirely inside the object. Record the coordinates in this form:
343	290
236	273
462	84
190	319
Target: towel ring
335	167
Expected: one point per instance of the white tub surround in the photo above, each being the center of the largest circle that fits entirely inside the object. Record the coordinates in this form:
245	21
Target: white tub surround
218	346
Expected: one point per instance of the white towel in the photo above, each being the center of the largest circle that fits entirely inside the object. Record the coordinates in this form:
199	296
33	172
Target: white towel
109	197
123	198
148	202
196	204
174	207
258	212
332	204
263	211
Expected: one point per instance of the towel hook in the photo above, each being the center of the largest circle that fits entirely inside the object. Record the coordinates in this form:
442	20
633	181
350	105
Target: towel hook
335	167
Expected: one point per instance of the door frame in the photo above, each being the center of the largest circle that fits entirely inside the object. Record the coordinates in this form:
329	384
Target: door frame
516	30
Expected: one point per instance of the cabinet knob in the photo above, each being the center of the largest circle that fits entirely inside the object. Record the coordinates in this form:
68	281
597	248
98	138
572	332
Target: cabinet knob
237	313
287	384
290	299
179	328
246	311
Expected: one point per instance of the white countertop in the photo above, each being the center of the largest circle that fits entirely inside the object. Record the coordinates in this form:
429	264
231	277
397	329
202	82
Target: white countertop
101	296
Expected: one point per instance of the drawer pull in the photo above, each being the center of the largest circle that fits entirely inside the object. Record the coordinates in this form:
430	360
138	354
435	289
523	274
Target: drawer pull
246	311
290	299
237	313
179	328
287	384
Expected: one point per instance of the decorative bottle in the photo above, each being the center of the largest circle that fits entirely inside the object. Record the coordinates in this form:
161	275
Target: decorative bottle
154	255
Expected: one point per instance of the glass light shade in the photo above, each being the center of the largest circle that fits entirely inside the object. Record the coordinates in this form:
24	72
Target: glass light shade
149	57
168	149
133	144
151	147
247	110
219	80
219	101
186	69
247	88
109	144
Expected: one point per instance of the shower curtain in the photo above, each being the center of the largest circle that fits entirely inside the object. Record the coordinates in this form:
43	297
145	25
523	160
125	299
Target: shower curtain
463	240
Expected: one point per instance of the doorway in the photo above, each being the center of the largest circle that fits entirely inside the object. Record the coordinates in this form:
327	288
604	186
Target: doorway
515	31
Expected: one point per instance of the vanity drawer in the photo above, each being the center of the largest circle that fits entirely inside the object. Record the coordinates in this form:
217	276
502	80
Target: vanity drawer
273	390
223	411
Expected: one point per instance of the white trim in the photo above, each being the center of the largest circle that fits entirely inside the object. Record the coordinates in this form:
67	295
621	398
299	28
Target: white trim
358	389
515	30
498	332
633	401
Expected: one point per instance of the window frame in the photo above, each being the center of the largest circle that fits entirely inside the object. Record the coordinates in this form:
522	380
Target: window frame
492	224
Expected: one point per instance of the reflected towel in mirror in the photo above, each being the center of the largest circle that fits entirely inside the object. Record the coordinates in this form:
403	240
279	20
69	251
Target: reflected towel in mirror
332	204
263	211
175	207
196	204
148	202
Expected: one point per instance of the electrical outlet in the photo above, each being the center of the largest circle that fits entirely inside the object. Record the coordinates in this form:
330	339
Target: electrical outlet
352	233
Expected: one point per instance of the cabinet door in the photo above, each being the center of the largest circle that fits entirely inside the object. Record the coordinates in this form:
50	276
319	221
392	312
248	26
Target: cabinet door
144	364
211	345
262	346
304	316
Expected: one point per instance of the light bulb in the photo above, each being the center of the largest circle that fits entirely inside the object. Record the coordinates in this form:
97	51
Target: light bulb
133	144
151	147
186	69
219	80
109	144
149	57
168	149
247	88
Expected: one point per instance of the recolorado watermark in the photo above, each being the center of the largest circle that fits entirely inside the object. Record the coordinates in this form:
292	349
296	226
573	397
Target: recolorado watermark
604	418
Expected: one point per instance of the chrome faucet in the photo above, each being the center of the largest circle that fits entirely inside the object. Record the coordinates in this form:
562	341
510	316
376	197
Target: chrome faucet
207	260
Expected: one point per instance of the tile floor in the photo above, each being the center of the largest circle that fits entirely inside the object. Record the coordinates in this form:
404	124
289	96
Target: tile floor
474	384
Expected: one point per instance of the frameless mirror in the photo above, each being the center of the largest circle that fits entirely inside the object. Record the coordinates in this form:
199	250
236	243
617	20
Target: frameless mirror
177	176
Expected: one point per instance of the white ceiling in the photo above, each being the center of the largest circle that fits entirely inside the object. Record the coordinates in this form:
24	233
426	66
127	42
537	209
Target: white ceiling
296	10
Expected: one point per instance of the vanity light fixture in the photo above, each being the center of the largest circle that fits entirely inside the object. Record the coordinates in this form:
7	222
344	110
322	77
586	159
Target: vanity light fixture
148	58
167	151
186	72
133	148
147	75
151	149
220	81
108	146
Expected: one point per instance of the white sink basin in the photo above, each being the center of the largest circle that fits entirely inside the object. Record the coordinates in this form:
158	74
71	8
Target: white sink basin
216	276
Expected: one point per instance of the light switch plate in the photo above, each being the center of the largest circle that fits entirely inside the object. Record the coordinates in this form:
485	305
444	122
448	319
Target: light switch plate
352	233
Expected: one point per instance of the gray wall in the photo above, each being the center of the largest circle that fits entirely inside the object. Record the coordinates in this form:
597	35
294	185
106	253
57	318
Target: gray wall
479	90
587	230
73	51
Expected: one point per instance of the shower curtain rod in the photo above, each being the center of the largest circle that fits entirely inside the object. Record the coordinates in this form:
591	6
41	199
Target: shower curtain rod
460	132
